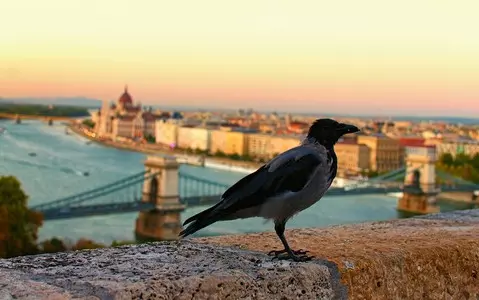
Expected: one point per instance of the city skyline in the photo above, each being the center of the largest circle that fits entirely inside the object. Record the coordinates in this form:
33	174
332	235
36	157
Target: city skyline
371	57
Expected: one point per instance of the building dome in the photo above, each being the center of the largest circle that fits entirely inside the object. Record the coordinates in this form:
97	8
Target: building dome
125	98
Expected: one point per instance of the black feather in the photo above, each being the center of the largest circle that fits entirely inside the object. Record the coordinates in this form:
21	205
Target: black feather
200	215
255	188
334	166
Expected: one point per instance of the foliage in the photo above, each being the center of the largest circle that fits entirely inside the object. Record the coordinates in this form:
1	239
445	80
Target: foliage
122	243
89	123
86	244
475	161
235	156
150	139
462	165
57	245
43	110
246	157
219	153
446	159
53	245
189	150
199	151
18	224
370	173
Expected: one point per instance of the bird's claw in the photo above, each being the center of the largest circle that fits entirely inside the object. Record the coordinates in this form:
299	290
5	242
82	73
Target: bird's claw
276	252
300	252
296	252
301	258
296	255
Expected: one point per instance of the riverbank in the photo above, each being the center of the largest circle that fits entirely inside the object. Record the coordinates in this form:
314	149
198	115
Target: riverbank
244	167
40	111
209	161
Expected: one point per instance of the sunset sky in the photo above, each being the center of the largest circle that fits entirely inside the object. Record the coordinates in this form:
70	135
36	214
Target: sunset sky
371	56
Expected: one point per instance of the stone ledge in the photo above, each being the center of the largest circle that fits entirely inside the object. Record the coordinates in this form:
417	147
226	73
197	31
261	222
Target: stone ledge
429	257
185	270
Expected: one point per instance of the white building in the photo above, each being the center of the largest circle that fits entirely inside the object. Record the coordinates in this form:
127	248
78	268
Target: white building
166	132
469	148
194	138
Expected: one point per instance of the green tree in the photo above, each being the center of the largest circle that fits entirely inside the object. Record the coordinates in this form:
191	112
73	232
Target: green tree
88	123
462	159
475	161
150	139
220	153
199	151
189	150
235	156
463	166
446	159
86	244
53	245
18	224
43	110
246	157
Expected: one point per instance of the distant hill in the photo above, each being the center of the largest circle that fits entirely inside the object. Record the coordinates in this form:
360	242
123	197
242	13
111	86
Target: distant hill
67	101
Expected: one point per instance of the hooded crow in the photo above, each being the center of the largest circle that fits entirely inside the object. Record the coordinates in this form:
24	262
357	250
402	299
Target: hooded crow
286	185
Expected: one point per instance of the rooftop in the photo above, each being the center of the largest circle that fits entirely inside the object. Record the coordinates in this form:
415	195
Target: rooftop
411	141
125	98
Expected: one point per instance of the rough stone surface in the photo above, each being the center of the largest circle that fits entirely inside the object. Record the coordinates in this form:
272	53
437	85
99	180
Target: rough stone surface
468	216
428	257
185	270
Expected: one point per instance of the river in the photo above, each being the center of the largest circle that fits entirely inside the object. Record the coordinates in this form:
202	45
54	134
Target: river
57	171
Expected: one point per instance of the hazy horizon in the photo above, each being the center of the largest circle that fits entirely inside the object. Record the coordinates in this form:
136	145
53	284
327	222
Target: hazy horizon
80	101
415	58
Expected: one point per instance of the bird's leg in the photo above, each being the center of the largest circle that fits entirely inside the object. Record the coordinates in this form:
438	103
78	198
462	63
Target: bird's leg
287	252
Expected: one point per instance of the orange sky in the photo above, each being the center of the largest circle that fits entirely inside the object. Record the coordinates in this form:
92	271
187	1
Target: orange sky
370	56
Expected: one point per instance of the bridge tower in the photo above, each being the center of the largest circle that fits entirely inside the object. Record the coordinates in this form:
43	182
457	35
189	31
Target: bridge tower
163	222
420	191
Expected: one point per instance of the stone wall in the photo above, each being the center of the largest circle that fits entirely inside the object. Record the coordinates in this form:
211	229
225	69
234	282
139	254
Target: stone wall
430	257
466	197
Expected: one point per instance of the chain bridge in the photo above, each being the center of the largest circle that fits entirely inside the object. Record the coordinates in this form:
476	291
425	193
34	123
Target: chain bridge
163	187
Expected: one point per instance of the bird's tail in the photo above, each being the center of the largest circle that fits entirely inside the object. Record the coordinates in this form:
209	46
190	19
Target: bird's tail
198	221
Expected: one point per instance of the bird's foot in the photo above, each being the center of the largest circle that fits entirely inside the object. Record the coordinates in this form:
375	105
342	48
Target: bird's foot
278	252
296	255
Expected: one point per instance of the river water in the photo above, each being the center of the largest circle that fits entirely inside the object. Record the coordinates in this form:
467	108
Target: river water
57	171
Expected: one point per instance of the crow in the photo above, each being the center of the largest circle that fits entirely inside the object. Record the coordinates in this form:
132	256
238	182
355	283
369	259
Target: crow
289	183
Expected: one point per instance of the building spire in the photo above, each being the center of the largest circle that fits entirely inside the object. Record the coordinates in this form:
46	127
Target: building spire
126	88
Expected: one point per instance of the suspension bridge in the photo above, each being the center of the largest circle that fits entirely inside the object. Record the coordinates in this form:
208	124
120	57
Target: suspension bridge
139	192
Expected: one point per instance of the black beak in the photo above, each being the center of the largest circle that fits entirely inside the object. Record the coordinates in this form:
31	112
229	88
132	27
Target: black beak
346	128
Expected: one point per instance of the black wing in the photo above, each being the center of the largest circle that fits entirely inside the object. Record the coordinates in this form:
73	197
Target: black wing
269	181
287	172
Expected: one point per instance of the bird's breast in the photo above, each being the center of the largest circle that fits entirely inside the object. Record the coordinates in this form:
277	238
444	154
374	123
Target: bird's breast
311	193
284	206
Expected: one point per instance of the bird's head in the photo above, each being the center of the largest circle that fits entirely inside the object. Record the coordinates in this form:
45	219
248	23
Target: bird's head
327	131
